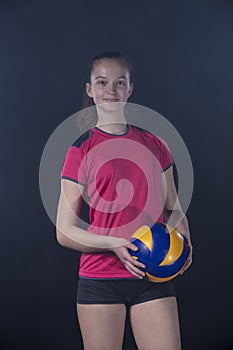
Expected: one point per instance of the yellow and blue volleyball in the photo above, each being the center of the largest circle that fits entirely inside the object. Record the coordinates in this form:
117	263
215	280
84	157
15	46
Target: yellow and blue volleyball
161	249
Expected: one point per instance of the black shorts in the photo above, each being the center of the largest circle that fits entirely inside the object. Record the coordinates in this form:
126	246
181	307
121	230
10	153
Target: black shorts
121	291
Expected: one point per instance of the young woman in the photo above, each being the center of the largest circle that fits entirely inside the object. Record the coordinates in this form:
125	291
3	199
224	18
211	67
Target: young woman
113	166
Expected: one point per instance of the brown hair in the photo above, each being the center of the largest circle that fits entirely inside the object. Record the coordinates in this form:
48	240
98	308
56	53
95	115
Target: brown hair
86	120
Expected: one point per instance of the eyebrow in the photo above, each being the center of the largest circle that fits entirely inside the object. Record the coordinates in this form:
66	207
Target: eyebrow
122	77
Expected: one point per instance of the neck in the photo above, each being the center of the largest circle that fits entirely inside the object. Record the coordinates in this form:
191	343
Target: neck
111	121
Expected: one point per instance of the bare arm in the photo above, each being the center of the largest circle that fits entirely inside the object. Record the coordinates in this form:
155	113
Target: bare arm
173	212
71	236
68	233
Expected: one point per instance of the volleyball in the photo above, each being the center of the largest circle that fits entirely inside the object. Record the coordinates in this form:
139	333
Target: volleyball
162	249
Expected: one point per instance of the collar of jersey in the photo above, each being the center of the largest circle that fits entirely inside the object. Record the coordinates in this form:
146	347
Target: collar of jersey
95	128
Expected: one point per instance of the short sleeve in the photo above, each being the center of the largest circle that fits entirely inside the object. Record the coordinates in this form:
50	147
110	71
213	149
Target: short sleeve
74	166
166	159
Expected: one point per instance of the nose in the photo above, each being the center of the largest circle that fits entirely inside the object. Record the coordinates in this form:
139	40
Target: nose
112	88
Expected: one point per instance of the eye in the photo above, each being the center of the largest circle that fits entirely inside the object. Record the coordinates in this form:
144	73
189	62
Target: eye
121	82
101	82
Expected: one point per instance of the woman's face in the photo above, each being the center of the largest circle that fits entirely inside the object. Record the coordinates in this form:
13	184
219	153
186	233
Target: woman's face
110	82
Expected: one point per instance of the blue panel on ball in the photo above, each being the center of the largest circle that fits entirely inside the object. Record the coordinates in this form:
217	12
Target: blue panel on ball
168	270
161	242
142	253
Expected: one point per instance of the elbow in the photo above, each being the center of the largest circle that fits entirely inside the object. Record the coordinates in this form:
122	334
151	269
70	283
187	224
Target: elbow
64	240
61	239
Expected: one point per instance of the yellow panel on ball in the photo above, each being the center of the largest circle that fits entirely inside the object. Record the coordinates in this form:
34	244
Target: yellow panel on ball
158	279
144	235
175	249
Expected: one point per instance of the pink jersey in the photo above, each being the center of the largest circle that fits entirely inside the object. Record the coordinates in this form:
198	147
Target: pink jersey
121	175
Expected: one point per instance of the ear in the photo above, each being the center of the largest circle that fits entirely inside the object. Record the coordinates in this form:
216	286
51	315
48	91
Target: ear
130	91
88	90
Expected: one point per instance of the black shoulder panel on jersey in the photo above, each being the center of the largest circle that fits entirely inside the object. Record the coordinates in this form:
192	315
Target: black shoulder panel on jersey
78	143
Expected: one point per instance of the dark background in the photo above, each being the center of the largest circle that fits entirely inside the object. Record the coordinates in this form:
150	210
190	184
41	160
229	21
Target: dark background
182	53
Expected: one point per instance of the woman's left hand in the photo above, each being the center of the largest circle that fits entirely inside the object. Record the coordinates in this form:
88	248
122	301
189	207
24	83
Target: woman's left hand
189	258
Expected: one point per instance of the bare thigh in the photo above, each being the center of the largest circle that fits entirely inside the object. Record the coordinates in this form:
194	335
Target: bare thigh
155	324
102	326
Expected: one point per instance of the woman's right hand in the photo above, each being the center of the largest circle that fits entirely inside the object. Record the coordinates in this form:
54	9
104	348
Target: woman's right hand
131	264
